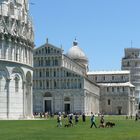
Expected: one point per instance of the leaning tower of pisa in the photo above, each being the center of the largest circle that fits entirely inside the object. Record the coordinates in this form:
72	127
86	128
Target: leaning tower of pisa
131	61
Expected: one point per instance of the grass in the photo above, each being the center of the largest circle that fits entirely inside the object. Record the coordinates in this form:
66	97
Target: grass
47	130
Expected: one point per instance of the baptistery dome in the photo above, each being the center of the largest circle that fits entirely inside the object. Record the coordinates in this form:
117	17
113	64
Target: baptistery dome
77	54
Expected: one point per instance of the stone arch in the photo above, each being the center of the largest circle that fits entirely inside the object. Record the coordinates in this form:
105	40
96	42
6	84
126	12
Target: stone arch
16	82
4	72
14	89
4	76
67	99
47	94
14	76
19	71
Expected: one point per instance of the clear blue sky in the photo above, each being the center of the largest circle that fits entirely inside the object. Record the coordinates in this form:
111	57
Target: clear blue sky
103	28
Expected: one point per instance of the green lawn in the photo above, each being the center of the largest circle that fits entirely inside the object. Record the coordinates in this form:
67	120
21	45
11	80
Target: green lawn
47	130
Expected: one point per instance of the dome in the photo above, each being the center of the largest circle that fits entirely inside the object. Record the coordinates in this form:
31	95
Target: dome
76	53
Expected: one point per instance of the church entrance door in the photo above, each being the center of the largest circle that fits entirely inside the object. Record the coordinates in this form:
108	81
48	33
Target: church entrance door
47	106
67	108
119	110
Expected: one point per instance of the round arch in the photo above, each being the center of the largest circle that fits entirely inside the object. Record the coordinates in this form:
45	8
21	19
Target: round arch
47	94
19	71
67	99
4	72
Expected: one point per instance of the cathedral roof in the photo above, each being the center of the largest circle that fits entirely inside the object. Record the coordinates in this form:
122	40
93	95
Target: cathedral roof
76	53
127	84
108	72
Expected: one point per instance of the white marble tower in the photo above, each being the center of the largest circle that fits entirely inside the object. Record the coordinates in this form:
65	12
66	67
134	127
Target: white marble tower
131	61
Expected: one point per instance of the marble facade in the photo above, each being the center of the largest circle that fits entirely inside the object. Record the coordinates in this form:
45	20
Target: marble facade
16	60
60	83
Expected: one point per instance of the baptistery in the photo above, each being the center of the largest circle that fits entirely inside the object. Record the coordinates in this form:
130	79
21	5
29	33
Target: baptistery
16	57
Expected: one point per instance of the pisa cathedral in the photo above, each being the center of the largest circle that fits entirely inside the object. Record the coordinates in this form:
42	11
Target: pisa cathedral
62	83
16	60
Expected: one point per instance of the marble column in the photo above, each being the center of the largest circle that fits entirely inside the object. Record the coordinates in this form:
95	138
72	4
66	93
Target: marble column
8	97
2	47
24	98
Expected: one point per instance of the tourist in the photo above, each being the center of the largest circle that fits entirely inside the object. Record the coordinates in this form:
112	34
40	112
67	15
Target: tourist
136	118
40	115
83	117
76	118
59	121
92	119
70	119
102	122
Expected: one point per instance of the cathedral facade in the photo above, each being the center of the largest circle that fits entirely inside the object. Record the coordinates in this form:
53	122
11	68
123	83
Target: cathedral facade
60	82
16	60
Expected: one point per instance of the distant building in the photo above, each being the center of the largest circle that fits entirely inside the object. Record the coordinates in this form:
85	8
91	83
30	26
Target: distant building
116	92
60	82
16	58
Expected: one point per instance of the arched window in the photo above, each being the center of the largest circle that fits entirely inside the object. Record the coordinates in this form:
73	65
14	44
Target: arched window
128	64
39	52
41	61
47	73
107	89
47	84
16	84
56	62
40	84
68	84
123	88
48	62
40	74
112	89
42	50
11	8
54	73
112	77
118	89
48	50
80	85
55	85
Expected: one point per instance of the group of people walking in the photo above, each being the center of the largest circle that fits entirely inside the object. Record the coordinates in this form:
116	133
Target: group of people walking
92	119
68	120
